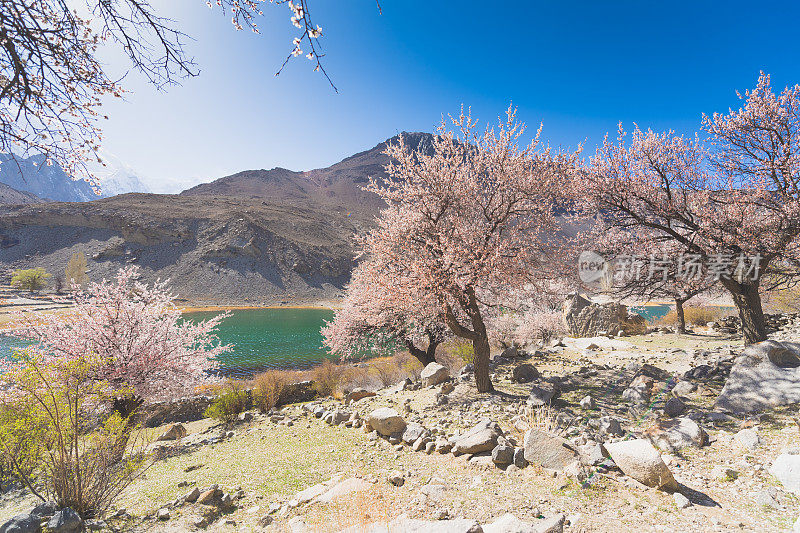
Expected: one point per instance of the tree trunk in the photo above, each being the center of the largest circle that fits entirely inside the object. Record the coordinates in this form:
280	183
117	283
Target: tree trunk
681	316
425	357
748	302
481	363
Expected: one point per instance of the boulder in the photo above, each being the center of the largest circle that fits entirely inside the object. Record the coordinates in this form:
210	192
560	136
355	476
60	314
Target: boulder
386	421
22	523
747	438
481	438
524	373
403	524
174	432
65	521
610	426
508	523
584	318
672	435
756	382
587	402
45	509
396	478
683	388
641	461
542	394
519	458
786	468
433	374
358	394
343	488
503	454
413	432
674	407
548	450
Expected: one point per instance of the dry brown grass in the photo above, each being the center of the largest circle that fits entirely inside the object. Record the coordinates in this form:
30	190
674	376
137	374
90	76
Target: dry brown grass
695	316
267	388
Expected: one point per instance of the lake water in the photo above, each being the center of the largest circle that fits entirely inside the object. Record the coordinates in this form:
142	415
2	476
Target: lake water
262	339
281	338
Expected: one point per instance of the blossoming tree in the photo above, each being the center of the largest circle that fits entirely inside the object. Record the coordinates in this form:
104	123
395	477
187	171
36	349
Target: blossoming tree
474	216
145	348
384	308
734	203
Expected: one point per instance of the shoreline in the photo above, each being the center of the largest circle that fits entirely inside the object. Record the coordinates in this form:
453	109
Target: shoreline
205	308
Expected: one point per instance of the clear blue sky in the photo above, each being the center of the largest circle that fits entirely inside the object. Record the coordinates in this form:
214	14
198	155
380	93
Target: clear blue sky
579	67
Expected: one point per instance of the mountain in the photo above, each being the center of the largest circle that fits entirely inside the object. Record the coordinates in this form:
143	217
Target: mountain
9	196
337	185
116	177
258	237
48	182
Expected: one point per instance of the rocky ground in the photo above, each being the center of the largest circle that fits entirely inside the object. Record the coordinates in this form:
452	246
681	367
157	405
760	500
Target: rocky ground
434	455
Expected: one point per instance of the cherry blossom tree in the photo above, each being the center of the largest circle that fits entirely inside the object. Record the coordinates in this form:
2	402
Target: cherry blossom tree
384	308
470	219
136	331
52	83
733	202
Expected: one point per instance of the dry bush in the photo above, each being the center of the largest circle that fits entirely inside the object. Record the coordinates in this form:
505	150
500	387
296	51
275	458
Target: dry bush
267	388
544	418
386	370
455	355
233	400
785	300
695	316
410	365
329	378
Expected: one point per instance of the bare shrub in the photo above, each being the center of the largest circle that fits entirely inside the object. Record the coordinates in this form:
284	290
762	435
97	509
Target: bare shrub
696	316
267	388
329	378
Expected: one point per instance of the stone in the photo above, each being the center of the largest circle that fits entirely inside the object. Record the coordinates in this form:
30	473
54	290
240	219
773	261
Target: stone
639	460
723	473
433	374
162	514
587	402
22	523
524	373
672	435
674	407
95	525
386	421
403	524
503	454
541	394
592	453
396	478
430	446
443	445
210	496
683	388
65	521
681	501
756	382
747	438
584	318
343	488
245	417
554	524
636	395
519	458
786	468
175	432
413	432
45	509
548	450
359	394
610	426
508	523
308	494
192	495
481	438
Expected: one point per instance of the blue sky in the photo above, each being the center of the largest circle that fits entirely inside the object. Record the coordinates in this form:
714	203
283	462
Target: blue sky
578	67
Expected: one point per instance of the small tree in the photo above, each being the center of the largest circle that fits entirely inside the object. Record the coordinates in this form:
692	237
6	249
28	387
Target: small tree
473	217
384	308
49	434
33	279
76	270
138	334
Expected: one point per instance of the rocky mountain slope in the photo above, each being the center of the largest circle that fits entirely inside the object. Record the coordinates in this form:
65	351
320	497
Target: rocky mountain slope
11	196
259	237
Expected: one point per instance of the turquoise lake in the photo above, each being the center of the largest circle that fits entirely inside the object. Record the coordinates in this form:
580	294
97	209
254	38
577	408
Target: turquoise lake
279	338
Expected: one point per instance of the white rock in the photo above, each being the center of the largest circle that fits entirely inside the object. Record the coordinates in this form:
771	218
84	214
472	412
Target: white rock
747	438
786	468
681	501
642	462
433	374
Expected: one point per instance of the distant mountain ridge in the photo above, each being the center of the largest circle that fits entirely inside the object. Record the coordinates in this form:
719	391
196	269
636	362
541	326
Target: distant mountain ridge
11	196
50	182
260	237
